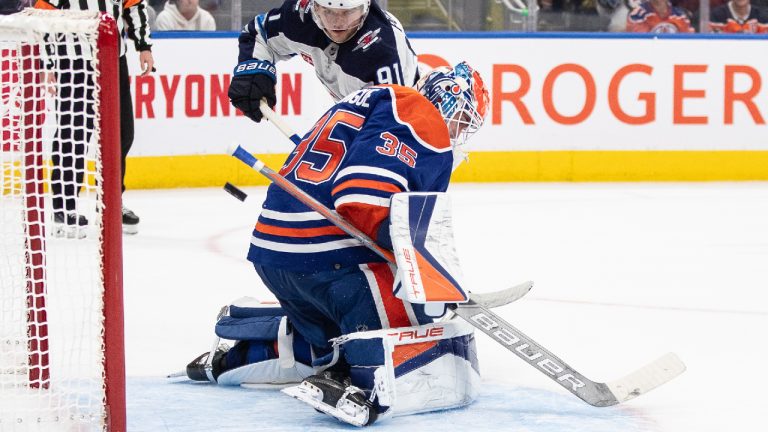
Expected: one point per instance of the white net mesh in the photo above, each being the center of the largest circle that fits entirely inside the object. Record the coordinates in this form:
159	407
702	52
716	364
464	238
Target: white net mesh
51	282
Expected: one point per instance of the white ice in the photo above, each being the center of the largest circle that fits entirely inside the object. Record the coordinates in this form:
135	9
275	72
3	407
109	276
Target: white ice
623	274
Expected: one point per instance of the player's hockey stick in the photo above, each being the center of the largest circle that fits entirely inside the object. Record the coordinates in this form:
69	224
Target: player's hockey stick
272	116
594	393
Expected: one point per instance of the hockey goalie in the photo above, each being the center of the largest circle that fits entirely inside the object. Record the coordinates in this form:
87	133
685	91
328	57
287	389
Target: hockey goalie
356	337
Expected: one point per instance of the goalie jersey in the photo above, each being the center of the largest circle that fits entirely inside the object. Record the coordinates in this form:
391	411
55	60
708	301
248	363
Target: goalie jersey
376	142
379	53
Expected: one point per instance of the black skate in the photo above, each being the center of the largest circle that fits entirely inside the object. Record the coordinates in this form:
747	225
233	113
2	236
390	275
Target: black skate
200	369
130	221
334	395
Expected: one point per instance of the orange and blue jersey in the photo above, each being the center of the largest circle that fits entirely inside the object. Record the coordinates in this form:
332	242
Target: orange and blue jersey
644	18
375	142
724	20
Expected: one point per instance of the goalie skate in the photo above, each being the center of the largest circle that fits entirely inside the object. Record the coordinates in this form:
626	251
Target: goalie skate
206	367
336	398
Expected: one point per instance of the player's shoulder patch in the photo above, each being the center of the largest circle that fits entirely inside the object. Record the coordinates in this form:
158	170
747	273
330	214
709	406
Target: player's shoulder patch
367	39
302	7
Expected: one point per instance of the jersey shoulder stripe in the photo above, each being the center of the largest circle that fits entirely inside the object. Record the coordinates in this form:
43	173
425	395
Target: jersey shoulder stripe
414	111
374	172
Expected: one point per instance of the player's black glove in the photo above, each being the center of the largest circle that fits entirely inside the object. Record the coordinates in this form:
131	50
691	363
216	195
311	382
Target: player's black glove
252	81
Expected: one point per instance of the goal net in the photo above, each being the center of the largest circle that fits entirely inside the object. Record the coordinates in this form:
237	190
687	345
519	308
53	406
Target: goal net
61	319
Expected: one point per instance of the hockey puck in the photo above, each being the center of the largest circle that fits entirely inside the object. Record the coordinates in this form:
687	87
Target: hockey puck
235	191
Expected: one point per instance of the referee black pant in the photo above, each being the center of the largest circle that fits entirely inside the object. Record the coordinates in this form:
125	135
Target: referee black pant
76	115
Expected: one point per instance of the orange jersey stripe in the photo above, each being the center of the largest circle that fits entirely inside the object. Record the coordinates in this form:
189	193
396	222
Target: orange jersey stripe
298	232
393	306
403	353
416	110
129	3
368	184
42	4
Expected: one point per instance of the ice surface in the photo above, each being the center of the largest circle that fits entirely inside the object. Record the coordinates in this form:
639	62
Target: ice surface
623	273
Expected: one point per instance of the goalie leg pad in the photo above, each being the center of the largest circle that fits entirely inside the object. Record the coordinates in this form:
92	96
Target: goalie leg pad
268	349
416	369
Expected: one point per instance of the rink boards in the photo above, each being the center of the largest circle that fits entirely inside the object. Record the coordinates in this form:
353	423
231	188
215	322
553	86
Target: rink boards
565	107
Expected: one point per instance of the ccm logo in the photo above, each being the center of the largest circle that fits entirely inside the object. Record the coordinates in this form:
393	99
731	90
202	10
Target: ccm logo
415	334
509	339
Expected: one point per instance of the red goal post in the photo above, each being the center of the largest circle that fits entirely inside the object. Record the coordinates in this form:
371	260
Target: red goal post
62	356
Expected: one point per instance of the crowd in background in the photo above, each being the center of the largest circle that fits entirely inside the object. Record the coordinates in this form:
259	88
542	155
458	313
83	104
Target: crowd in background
657	16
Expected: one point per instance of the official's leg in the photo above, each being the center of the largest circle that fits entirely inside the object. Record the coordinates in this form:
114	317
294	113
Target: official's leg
126	117
130	220
74	100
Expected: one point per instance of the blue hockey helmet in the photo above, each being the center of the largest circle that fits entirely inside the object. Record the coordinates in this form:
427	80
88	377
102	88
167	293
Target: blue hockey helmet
460	96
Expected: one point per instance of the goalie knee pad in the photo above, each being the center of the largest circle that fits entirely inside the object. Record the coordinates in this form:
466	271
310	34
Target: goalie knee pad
415	369
268	349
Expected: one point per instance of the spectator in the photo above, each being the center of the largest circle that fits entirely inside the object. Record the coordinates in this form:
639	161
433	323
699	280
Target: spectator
151	16
738	16
8	7
658	16
616	11
184	15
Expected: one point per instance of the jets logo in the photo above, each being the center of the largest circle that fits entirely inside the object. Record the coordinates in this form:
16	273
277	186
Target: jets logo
366	40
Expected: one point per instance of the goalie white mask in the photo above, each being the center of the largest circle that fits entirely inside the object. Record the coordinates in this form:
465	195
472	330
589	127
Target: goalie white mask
460	96
340	19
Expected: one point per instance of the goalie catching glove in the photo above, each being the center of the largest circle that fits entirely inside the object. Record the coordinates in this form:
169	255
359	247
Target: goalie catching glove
253	80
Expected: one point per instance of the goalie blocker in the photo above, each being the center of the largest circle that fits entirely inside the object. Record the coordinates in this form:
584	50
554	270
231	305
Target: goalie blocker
388	372
421	233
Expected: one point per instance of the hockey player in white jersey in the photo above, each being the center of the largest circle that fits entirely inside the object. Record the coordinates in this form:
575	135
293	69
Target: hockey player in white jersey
351	44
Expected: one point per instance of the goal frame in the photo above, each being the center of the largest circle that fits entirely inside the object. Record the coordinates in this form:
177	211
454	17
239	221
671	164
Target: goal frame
111	265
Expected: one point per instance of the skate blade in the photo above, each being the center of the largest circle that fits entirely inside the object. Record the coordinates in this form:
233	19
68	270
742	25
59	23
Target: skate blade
346	411
130	229
69	232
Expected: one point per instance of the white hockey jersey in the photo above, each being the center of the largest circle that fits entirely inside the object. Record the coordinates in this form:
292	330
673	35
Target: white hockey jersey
379	53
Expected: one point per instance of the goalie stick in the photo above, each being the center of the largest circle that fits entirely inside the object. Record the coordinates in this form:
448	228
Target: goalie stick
594	393
490	300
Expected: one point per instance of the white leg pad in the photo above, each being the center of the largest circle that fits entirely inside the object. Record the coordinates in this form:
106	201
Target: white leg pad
425	368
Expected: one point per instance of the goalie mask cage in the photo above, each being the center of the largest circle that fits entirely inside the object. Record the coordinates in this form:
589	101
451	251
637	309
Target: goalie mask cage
62	360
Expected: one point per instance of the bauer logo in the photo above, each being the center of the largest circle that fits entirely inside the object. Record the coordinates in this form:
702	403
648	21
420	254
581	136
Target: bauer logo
535	357
255	67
